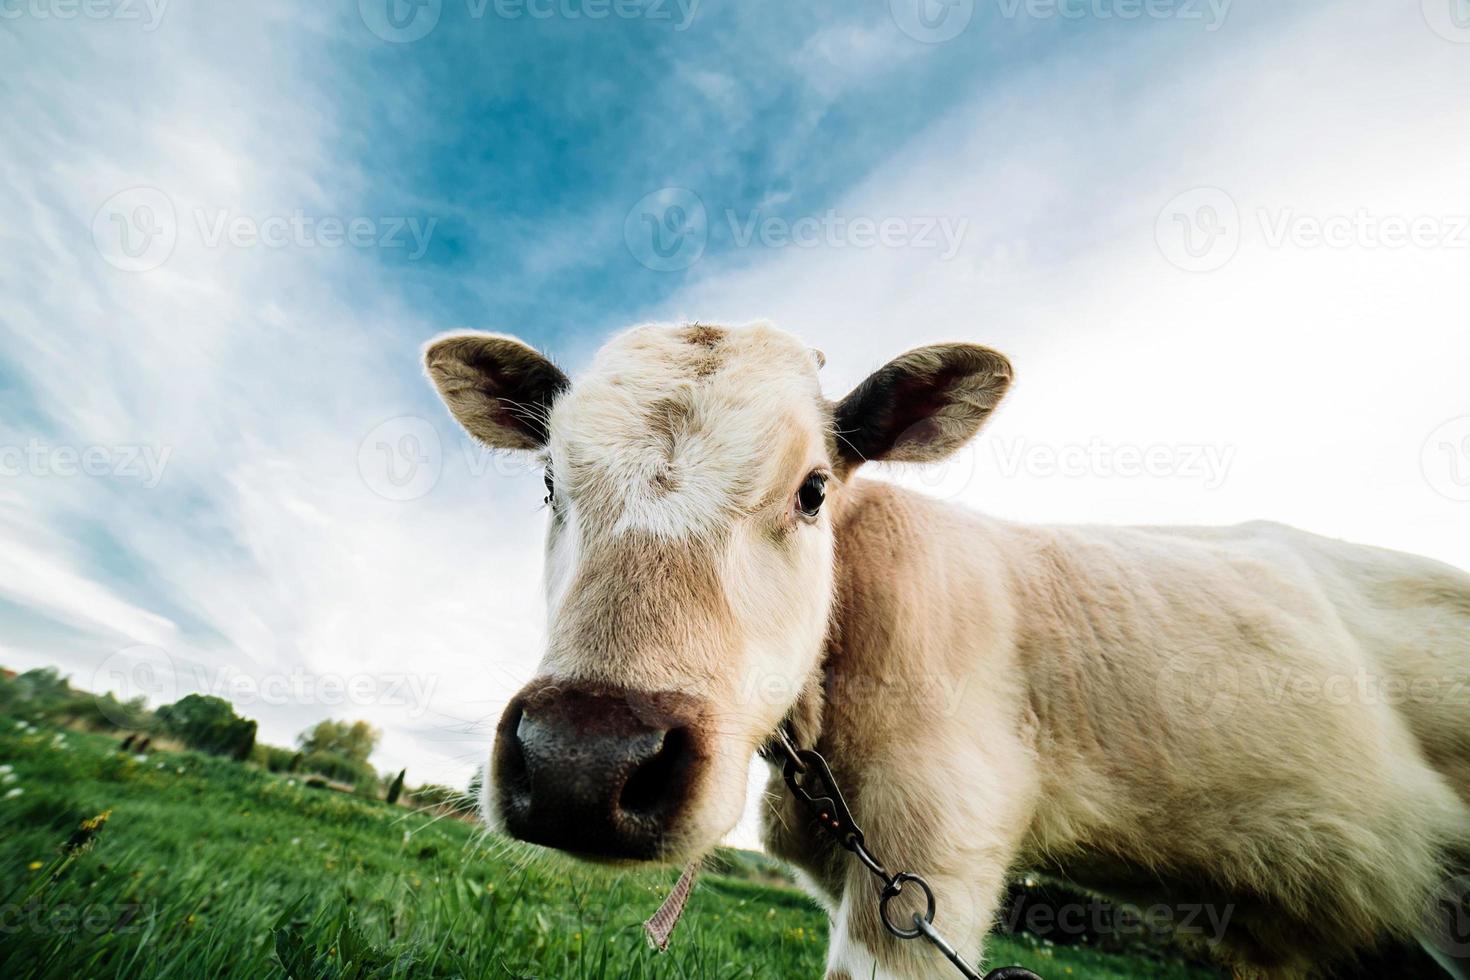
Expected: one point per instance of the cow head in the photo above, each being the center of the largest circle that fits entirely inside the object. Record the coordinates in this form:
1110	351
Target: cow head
692	477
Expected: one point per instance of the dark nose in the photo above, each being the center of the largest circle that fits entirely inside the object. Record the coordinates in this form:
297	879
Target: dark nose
602	772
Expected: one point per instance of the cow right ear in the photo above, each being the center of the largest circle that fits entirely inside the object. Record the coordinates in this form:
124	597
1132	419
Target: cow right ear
920	406
498	388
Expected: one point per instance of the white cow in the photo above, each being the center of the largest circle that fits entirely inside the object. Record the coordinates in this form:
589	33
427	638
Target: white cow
1268	724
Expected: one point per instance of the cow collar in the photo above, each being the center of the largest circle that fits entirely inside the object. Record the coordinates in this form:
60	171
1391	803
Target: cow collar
811	782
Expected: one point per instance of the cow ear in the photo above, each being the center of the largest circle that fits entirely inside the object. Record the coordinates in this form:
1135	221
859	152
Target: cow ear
921	406
498	388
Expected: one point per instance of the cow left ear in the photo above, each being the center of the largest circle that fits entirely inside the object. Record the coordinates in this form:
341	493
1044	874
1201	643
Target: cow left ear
921	406
498	388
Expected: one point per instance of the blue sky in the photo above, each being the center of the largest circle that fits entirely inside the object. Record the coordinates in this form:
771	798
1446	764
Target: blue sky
278	501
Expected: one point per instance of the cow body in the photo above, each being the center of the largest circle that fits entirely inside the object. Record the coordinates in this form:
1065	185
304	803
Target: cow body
1264	723
1272	725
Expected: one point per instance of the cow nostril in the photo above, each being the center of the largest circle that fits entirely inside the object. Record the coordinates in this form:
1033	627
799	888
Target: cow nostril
660	781
512	775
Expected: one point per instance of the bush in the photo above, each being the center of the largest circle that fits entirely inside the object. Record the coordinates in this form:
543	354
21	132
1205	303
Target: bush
103	712
273	758
433	795
340	769
44	694
353	740
209	724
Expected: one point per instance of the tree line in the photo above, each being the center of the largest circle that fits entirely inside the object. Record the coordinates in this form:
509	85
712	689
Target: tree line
330	752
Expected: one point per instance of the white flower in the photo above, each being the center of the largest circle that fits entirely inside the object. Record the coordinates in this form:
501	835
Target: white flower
159	766
6	768
140	757
12	794
181	770
7	779
295	841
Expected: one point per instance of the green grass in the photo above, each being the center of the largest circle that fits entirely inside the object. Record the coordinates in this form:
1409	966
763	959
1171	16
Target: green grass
208	868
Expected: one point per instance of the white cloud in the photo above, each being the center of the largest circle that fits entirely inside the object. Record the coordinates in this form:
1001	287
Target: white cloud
1323	367
265	550
39	580
833	58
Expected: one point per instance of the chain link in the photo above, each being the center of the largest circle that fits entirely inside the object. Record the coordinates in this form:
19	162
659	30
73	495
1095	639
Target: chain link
832	813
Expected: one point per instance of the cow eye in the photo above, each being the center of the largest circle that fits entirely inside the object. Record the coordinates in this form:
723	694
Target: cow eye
810	495
550	488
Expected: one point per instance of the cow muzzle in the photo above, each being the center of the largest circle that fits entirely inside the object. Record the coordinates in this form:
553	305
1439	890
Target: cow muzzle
598	771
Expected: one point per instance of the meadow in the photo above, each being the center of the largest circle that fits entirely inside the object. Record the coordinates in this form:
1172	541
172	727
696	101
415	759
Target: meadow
206	867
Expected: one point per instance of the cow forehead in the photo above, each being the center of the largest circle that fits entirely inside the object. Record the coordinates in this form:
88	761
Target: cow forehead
656	356
676	425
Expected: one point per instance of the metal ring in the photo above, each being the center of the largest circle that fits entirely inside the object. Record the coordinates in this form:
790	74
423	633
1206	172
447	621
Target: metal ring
894	888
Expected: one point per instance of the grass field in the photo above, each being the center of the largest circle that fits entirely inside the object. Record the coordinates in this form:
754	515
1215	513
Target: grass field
209	868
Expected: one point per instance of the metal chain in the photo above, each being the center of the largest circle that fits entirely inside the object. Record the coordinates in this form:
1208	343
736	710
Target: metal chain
836	819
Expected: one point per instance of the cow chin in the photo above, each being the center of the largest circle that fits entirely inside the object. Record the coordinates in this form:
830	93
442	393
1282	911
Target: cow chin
716	808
